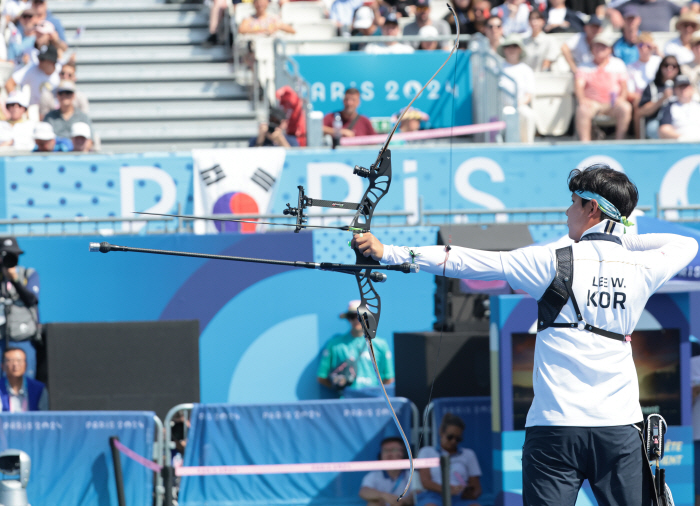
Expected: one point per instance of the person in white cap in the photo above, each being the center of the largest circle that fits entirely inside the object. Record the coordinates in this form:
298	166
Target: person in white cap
390	29
81	135
17	131
46	140
429	32
63	118
345	360
364	25
523	76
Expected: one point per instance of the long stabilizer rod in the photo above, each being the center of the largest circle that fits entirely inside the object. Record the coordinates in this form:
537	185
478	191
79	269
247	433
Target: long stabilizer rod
105	247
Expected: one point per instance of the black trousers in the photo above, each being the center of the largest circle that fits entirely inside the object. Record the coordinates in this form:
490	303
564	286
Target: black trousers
557	459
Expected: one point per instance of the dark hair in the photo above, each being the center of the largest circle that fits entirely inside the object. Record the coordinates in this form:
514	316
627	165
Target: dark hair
392	439
352	91
450	419
8	350
659	79
613	185
536	14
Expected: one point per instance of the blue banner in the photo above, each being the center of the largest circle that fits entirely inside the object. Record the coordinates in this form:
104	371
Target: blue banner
286	434
71	457
383	93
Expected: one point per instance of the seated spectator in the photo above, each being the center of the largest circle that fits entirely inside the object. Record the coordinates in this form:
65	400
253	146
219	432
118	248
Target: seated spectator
494	36
63	118
12	9
680	118
626	46
262	22
577	50
364	25
20	393
390	29
422	10
37	76
429	32
692	69
294	111
342	13
43	14
656	14
642	71
382	488
601	88
81	137
353	123
411	121
46	140
216	15
80	100
514	67
538	48
17	131
514	14
274	132
466	17
679	47
560	19
465	484
657	93
21	41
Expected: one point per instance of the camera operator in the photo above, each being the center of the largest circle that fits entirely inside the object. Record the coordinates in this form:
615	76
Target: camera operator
19	291
274	132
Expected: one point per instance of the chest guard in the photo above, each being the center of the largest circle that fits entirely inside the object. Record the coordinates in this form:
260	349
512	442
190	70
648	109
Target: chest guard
558	294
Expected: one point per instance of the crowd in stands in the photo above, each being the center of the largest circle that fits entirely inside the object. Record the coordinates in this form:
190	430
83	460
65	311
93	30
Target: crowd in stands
42	108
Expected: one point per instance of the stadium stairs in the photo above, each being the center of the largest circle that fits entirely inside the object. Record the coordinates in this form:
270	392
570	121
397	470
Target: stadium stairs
151	84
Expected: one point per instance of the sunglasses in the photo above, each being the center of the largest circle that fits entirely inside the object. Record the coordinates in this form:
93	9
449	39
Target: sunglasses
643	45
64	93
452	437
493	27
13	105
27	16
670	66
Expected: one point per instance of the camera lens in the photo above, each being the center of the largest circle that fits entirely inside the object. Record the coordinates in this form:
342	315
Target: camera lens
9	260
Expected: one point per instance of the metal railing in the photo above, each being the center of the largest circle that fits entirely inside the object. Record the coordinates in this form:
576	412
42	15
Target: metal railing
682	214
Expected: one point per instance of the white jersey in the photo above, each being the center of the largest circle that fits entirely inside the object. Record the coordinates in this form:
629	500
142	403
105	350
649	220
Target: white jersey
579	378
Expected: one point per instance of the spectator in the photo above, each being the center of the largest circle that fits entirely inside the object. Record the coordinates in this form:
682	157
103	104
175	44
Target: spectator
411	121
657	93
262	22
17	131
422	10
342	13
81	137
656	14
22	39
522	75
626	46
577	50
46	140
365	25
63	118
601	88
464	9
43	14
46	34
274	132
429	32
680	118
482	12
345	361
494	36
216	15
692	69
381	488
19	287
390	29
294	111
679	47
514	14
465	483
560	19
18	392
642	71
80	100
538	48
37	76
353	123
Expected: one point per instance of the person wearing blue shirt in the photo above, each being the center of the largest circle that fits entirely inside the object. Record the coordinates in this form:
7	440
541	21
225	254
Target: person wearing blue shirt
18	393
46	140
43	14
626	46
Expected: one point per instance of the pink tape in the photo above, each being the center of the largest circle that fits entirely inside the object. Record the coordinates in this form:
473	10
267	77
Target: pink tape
136	457
319	467
434	133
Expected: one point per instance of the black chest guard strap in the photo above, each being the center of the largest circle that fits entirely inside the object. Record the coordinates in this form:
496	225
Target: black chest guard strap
558	294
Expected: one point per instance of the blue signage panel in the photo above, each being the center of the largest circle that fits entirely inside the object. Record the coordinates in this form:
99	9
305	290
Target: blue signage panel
387	83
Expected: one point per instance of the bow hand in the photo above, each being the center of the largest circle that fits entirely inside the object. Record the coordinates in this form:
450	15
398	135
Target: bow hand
368	245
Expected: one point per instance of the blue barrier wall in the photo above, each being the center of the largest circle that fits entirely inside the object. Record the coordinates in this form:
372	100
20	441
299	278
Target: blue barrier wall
286	434
71	457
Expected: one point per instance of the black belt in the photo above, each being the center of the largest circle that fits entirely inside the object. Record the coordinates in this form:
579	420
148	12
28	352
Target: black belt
591	328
